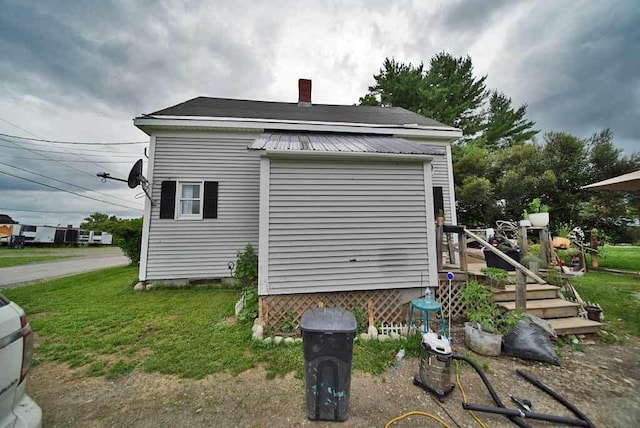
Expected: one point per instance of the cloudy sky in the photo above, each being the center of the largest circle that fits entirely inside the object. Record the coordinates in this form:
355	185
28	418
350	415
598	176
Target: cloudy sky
80	71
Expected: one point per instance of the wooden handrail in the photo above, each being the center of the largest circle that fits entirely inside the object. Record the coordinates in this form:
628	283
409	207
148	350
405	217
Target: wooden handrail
504	257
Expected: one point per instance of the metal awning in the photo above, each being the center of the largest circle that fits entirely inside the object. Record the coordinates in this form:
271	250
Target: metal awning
625	182
340	143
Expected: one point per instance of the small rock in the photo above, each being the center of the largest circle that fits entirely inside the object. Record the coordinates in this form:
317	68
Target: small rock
373	331
257	333
150	287
365	336
629	381
268	340
383	337
288	340
581	336
394	335
618	360
578	353
278	340
588	342
298	340
199	410
604	367
139	286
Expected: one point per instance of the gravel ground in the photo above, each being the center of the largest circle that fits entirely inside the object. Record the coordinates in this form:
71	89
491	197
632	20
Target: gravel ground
603	382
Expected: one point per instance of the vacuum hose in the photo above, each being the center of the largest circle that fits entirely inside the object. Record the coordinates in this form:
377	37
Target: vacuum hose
516	420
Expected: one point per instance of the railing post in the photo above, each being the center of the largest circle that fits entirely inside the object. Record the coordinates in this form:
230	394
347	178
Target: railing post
522	240
439	233
521	290
462	251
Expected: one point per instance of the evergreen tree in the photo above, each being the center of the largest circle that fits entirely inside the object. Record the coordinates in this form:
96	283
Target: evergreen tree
505	126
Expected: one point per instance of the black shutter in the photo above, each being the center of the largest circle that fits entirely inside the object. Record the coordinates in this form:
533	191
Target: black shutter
210	209
168	199
438	200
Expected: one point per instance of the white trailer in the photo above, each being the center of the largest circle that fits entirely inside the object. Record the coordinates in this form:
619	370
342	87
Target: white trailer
44	235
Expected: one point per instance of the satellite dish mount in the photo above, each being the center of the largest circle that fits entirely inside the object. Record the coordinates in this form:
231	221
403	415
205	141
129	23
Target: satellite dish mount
134	180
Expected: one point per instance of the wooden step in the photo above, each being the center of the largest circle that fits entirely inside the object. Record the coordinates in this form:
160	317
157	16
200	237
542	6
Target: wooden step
574	325
547	308
534	292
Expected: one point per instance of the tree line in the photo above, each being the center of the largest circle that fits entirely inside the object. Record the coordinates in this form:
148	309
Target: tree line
502	162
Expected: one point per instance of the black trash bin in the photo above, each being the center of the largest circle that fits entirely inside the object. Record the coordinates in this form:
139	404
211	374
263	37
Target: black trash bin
328	335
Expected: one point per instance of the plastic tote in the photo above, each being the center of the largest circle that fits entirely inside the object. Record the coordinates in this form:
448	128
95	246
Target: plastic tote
328	335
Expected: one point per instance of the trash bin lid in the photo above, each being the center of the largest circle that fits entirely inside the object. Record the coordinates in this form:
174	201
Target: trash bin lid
328	320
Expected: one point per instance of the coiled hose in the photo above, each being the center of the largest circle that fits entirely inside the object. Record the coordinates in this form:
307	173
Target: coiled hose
496	399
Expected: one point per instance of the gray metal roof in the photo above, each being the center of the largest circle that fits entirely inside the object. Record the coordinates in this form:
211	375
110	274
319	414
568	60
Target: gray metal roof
230	108
315	142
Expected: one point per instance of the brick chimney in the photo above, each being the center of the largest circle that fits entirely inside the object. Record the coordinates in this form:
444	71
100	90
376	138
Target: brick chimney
304	92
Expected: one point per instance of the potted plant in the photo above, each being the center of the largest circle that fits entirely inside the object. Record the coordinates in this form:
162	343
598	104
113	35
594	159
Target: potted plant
498	278
531	261
562	240
487	323
538	213
594	311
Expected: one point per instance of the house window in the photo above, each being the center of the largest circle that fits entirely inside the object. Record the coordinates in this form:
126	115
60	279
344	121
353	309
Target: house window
189	200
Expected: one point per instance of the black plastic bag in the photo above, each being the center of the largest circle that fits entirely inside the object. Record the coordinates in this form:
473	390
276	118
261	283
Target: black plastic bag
530	342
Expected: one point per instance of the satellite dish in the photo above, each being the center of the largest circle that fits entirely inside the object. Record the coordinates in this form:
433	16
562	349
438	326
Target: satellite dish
135	176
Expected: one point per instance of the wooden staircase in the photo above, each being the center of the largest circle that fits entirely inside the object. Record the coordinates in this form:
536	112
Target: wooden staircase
542	299
545	301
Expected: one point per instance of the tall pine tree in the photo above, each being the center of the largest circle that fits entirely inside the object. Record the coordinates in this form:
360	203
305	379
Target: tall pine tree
505	126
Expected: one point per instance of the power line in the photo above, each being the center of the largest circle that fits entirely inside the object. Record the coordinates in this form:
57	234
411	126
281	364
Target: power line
69	191
92	143
54	212
61	162
58	160
62	181
113	154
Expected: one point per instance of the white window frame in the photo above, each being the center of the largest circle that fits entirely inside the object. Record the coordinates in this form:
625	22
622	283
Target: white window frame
179	185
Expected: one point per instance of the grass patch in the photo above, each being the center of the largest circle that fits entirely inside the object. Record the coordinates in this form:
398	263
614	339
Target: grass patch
96	321
619	296
24	260
625	257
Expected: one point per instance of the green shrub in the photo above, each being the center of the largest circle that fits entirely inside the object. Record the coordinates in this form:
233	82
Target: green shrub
246	271
128	236
480	308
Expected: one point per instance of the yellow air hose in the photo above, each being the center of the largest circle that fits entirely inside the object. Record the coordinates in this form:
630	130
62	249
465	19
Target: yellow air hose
429	415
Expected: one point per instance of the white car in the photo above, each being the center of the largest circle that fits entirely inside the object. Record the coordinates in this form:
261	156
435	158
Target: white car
17	409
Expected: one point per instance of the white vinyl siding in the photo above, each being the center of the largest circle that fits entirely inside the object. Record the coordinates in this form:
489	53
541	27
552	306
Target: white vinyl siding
202	249
346	225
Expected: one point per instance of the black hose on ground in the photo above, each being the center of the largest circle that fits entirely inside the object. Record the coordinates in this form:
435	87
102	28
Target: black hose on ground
516	420
556	397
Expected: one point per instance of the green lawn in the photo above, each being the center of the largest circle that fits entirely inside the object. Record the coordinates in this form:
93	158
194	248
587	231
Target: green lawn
96	321
26	259
619	296
618	257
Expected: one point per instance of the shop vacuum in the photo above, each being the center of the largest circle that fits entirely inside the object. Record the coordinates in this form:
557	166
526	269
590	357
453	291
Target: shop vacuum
435	377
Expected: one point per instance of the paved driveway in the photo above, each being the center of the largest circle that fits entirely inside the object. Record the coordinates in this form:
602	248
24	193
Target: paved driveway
95	259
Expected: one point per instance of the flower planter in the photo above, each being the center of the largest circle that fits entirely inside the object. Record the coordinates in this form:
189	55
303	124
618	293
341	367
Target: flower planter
482	342
561	242
539	219
594	313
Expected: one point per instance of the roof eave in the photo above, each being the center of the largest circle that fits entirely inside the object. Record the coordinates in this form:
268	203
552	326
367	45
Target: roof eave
298	154
150	123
